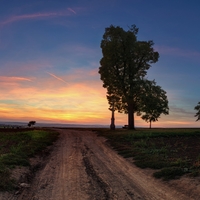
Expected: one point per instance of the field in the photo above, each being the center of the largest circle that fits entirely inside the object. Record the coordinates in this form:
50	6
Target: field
82	165
16	147
171	152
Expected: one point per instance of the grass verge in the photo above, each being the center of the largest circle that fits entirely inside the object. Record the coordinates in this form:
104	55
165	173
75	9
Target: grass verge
172	152
16	147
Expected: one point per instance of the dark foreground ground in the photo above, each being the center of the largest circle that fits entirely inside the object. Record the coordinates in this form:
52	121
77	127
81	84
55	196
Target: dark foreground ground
81	165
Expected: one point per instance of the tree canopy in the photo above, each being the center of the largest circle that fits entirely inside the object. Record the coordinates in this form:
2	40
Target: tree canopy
198	111
31	123
153	102
123	67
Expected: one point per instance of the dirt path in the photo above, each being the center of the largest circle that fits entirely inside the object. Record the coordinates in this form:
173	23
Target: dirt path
82	166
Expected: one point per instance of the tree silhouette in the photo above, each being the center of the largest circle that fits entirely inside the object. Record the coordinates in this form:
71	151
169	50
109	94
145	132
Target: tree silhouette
31	123
198	111
154	102
124	64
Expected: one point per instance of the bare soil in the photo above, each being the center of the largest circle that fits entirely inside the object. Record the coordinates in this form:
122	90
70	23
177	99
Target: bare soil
83	166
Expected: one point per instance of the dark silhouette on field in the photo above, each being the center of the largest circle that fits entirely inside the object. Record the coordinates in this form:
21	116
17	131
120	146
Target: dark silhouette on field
123	69
31	123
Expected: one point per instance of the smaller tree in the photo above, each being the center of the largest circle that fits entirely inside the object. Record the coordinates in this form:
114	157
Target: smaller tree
115	103
31	123
154	102
198	111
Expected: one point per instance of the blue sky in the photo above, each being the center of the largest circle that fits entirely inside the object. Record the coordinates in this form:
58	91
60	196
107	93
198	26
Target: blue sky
50	53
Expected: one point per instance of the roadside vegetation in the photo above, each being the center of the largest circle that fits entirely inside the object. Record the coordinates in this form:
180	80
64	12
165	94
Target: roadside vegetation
16	147
171	152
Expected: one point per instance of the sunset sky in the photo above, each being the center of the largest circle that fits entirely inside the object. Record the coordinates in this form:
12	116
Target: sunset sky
50	53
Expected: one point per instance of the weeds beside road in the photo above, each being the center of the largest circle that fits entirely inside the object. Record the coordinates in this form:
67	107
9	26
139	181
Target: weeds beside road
17	146
172	152
81	165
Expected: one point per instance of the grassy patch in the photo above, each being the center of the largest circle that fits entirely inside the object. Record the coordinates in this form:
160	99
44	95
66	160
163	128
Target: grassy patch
169	173
5	182
17	146
173	152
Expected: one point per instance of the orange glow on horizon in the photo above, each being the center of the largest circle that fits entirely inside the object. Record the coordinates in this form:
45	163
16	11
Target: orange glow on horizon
53	100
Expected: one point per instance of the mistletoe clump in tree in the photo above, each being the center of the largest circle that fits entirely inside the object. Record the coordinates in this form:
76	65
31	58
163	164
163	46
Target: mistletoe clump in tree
123	67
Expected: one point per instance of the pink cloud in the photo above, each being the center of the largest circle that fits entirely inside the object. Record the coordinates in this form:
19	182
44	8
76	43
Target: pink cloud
53	75
177	52
71	10
78	101
13	79
78	49
9	68
82	101
67	12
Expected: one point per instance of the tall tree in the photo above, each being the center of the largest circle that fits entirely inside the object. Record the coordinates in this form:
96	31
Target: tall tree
154	102
124	63
198	111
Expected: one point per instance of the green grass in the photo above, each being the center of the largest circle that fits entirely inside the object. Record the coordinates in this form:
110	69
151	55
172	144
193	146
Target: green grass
169	173
172	152
16	149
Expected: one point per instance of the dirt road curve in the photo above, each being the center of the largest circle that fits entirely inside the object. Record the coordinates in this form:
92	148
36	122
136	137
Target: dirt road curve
82	166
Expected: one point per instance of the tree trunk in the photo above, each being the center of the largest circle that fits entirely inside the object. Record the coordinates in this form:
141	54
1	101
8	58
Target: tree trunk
150	124
131	124
112	125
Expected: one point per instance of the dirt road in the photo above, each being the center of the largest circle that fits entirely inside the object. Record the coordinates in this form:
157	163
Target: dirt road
82	166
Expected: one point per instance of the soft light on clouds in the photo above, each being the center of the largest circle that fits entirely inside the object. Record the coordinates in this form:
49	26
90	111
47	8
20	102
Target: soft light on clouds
13	79
174	51
70	9
66	103
41	15
50	53
53	75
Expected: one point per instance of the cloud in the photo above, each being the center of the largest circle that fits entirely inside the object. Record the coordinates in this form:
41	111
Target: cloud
79	50
181	112
42	15
60	79
71	10
77	103
82	101
177	52
32	67
13	79
47	100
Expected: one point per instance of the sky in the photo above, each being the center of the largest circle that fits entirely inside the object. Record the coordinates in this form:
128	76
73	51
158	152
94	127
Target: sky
50	53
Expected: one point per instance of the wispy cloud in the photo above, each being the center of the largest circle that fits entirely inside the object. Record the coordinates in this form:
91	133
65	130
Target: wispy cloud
80	50
60	79
177	52
71	10
44	15
52	103
13	79
82	101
